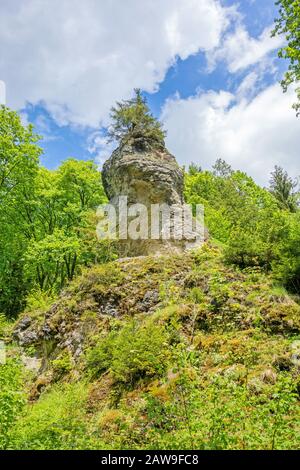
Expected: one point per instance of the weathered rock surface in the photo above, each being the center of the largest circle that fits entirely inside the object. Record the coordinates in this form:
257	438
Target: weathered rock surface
146	174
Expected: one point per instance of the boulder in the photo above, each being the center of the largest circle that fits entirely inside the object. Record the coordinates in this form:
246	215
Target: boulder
146	173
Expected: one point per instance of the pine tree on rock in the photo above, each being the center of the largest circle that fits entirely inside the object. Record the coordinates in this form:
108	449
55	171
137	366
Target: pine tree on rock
132	119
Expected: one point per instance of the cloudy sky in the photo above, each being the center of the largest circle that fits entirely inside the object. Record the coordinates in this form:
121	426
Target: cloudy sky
208	68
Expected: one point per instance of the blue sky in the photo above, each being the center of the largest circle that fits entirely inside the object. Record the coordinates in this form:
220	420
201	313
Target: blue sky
207	68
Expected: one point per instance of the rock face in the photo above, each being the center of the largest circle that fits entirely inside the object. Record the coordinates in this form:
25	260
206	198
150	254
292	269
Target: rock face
146	174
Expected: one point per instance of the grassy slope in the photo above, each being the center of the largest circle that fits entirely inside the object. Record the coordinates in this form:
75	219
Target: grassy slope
166	352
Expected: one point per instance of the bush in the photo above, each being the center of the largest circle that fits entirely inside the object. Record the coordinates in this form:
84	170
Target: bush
223	415
287	268
135	352
12	399
56	421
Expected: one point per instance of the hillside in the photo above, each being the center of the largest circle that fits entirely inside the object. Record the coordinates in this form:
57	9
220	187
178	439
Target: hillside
158	352
149	229
179	348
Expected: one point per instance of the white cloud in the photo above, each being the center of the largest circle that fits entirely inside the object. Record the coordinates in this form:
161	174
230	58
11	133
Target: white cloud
250	135
239	50
79	57
43	127
99	147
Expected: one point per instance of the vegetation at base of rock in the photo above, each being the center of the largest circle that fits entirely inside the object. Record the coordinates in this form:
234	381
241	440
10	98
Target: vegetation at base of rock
131	354
208	362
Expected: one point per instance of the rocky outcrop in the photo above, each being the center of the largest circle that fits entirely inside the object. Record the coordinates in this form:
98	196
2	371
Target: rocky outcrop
146	174
103	294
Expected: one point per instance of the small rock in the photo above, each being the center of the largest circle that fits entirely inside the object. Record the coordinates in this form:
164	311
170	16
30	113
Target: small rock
46	331
31	363
27	338
24	323
151	298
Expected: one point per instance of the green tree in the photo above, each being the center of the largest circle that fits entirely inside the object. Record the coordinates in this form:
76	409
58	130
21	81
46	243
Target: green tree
222	169
19	163
81	183
47	217
133	119
19	154
287	269
288	24
53	259
240	214
63	222
284	188
194	168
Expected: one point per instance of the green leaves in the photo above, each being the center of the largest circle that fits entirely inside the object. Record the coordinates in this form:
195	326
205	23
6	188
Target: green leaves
131	354
285	189
132	119
288	24
19	156
19	160
12	399
52	259
47	218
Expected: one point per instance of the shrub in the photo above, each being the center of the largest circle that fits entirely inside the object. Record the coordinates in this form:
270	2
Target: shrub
135	352
12	399
56	421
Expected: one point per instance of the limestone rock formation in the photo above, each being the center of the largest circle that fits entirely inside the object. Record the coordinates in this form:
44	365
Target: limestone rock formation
146	174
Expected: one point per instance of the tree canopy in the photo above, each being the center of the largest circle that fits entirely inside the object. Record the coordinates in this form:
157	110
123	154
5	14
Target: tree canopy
288	24
47	217
285	189
133	119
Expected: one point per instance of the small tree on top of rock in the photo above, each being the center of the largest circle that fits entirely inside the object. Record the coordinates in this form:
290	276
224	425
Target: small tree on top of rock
132	119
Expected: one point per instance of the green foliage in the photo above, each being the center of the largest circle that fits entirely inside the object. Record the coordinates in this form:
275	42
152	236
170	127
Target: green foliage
62	364
12	399
204	371
223	415
39	301
133	353
47	218
259	228
288	24
19	159
202	362
194	169
5	327
132	119
287	268
56	422
222	169
19	156
53	259
284	189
